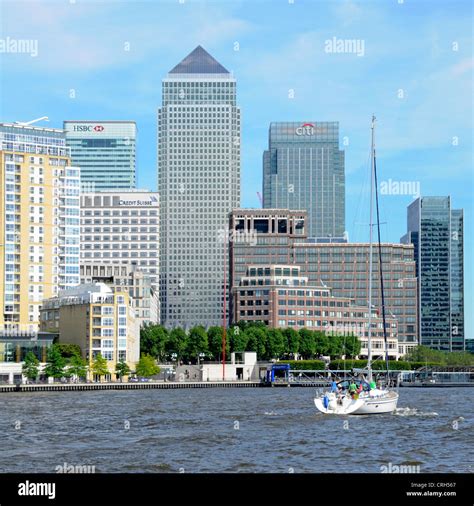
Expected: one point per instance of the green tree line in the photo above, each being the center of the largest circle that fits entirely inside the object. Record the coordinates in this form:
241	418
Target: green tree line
423	354
64	361
164	344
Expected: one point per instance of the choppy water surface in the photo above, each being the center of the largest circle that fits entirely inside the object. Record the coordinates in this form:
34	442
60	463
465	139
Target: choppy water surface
232	430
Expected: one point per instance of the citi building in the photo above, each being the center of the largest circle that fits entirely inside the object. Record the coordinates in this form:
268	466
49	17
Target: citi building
303	168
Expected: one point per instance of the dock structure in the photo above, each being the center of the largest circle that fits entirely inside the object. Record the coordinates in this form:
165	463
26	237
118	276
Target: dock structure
62	387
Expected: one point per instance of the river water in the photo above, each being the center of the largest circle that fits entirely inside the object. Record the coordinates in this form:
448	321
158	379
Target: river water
232	430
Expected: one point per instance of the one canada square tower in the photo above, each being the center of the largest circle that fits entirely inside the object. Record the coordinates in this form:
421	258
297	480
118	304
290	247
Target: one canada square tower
199	184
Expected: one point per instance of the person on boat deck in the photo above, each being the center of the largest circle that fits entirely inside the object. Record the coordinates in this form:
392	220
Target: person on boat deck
352	389
372	385
334	387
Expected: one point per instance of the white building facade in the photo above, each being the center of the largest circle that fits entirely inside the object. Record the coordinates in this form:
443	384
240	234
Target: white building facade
121	227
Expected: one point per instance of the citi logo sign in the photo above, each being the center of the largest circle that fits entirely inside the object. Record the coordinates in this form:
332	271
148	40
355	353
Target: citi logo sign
306	129
88	128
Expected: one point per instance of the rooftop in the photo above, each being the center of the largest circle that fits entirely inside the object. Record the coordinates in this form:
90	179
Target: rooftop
199	61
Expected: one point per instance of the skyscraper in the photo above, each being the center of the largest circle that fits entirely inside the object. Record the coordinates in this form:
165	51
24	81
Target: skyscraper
39	222
105	152
303	168
436	231
199	184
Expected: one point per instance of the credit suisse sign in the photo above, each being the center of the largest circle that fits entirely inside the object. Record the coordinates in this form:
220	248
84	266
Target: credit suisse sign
89	128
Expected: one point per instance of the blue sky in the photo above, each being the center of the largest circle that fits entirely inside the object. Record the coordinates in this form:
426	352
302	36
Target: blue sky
415	74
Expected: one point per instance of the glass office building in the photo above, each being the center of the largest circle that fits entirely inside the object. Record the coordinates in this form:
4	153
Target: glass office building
436	231
199	184
105	152
303	168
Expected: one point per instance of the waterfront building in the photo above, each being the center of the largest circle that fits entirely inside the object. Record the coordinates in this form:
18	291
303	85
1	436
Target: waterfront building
199	184
14	346
105	152
303	168
436	232
279	236
130	279
39	222
281	297
121	227
98	320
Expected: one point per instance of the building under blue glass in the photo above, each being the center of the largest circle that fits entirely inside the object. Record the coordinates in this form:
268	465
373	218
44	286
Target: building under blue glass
303	169
437	233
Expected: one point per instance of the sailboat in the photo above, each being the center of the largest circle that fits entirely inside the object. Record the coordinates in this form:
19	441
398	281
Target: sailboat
368	399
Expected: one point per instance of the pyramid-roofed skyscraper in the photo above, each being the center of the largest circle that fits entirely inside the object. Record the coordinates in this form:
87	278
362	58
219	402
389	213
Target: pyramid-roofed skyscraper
199	61
199	184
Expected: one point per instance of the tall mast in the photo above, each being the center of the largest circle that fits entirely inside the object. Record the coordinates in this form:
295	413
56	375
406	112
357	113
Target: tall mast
369	333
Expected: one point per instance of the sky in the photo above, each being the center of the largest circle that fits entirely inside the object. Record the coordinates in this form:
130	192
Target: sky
411	65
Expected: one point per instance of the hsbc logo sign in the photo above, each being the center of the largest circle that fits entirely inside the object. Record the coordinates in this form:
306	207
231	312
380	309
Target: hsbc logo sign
306	129
89	128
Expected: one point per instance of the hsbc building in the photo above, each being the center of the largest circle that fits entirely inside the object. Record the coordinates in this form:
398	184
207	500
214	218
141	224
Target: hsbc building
105	151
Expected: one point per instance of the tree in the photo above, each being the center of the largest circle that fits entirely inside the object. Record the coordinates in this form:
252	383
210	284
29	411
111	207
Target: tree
292	341
307	345
256	340
335	348
78	367
122	369
177	342
146	366
214	336
153	339
99	366
321	343
31	366
425	354
238	339
351	346
275	343
197	342
55	363
68	350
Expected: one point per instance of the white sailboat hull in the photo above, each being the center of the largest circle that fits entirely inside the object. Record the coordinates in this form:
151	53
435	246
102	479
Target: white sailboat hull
384	402
332	407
